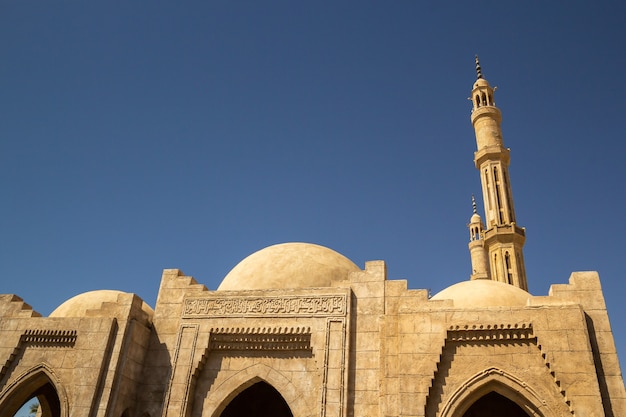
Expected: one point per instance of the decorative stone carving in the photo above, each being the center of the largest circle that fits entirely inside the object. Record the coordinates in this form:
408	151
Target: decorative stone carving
286	306
49	338
264	339
496	332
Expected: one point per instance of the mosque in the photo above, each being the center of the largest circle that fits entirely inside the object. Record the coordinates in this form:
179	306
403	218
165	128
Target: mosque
299	330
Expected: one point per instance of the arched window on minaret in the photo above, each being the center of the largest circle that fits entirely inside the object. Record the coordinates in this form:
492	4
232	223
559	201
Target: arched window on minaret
509	271
477	100
521	270
474	233
489	202
494	269
496	180
508	195
484	99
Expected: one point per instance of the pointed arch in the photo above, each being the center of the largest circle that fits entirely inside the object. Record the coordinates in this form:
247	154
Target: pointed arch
500	382
39	381
258	399
223	394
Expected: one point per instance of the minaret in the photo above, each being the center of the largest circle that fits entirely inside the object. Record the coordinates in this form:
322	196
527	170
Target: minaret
503	238
478	252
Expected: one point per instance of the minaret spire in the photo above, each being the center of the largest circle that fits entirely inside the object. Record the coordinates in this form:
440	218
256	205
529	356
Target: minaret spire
479	72
503	238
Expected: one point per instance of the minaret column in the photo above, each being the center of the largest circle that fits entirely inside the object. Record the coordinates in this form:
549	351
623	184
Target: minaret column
503	239
476	245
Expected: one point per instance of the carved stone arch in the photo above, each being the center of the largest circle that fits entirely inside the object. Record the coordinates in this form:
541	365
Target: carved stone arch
220	397
38	379
501	382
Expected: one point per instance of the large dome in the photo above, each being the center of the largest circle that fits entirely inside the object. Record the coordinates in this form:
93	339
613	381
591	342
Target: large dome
289	265
483	293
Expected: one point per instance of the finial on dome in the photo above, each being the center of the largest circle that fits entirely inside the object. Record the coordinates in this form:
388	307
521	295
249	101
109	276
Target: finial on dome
473	204
479	73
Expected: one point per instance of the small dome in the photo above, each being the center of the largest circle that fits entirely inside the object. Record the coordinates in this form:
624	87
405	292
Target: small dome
475	218
481	82
289	265
483	293
92	300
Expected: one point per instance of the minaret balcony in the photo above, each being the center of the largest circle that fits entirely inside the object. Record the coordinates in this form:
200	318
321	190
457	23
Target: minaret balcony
505	233
492	153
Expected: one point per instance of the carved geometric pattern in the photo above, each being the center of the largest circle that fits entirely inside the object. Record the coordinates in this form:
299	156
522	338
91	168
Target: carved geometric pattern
49	338
261	339
286	306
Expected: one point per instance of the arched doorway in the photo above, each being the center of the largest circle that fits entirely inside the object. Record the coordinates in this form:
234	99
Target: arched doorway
37	385
258	400
494	405
492	390
45	399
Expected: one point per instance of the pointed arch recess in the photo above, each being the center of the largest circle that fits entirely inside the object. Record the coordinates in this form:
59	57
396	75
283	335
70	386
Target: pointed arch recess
25	385
502	382
244	379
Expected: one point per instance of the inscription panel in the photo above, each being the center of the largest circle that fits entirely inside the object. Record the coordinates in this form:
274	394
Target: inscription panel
285	306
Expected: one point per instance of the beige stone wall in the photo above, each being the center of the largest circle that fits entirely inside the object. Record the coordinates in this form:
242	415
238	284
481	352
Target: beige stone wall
368	304
128	353
584	290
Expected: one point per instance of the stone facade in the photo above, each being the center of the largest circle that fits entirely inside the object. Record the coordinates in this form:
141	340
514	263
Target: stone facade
299	330
365	346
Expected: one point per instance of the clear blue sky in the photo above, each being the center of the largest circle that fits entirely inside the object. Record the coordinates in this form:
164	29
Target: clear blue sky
137	136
